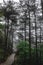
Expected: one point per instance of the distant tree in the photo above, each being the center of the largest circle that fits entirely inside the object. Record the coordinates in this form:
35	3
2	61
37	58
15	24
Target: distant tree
42	7
9	13
31	7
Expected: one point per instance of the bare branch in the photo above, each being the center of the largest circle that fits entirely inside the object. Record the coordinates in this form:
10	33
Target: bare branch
4	2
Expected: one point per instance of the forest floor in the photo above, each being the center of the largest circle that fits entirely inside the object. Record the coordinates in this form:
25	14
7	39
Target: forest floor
9	60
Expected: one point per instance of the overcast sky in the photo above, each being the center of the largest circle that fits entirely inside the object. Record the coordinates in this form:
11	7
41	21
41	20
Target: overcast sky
7	0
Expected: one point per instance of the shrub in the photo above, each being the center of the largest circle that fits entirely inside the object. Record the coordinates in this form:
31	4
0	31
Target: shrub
22	54
1	26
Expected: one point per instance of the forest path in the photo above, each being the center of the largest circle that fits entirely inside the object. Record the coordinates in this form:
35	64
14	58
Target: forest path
9	60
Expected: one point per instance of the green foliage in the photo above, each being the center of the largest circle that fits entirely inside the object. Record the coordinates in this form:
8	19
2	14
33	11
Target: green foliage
1	53
1	38
3	47
40	50
22	54
1	26
1	13
23	47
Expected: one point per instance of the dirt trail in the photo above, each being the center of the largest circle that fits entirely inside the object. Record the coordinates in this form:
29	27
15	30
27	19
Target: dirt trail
9	60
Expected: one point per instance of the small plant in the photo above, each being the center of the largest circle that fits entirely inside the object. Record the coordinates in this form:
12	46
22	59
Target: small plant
1	26
22	54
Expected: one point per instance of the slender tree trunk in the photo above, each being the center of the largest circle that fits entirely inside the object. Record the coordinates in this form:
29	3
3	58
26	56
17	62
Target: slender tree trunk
25	30
40	42
12	37
36	37
6	37
28	7
42	7
29	39
25	26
